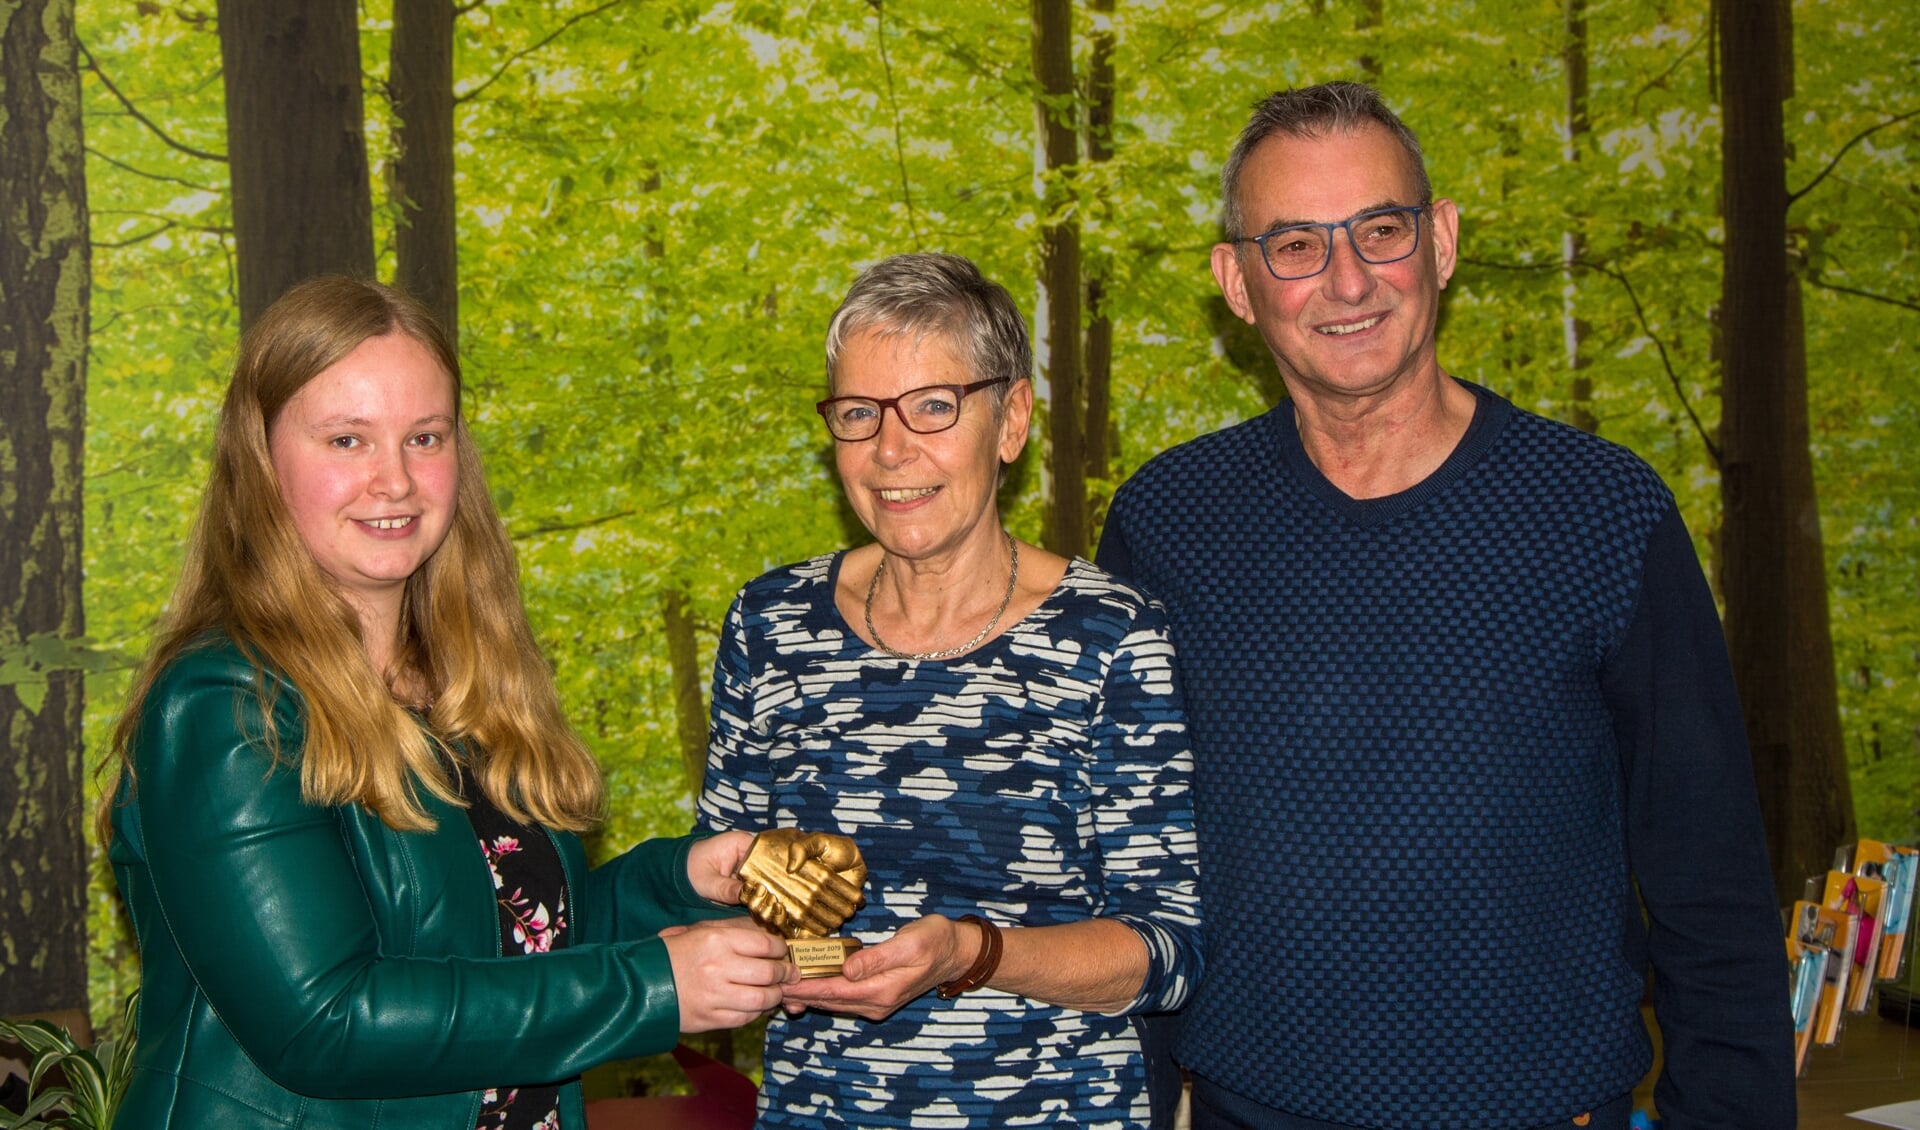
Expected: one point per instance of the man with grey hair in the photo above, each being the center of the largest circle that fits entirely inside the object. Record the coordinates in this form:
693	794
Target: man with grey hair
1468	747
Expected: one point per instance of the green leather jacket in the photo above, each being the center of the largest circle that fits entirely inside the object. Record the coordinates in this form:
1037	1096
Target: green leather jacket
311	967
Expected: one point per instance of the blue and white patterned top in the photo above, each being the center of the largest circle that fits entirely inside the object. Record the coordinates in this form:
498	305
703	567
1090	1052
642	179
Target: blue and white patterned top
1043	778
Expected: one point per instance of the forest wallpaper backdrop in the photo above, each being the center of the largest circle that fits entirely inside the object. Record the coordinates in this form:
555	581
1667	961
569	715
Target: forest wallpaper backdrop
643	212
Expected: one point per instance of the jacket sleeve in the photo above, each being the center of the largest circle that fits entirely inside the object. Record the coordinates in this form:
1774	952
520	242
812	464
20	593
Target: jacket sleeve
262	899
644	890
1699	856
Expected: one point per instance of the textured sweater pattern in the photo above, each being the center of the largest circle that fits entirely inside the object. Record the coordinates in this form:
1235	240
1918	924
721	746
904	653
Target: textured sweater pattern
1410	794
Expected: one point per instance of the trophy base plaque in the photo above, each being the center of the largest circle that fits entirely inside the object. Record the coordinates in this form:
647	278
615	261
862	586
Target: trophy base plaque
820	957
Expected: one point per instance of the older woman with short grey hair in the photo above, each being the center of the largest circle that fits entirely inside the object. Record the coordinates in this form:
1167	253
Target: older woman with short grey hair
996	726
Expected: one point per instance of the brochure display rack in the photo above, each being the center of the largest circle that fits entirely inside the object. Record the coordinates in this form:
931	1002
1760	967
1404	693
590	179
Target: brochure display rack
1848	938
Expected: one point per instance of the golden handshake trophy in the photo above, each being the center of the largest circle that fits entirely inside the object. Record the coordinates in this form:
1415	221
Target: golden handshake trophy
802	886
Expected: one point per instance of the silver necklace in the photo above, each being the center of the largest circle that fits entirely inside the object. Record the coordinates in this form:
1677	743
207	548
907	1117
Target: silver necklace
1013	574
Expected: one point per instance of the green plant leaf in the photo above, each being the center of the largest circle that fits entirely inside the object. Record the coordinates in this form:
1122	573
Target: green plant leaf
36	1036
117	1053
46	653
87	1087
29	1119
93	1079
45	1063
32	694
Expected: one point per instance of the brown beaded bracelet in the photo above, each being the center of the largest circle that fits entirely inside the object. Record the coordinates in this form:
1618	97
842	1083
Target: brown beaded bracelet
984	963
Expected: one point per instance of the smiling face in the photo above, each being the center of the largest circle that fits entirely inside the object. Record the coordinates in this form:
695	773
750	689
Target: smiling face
924	496
364	454
1356	329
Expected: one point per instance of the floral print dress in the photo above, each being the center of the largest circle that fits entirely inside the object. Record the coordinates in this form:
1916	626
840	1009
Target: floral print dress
530	889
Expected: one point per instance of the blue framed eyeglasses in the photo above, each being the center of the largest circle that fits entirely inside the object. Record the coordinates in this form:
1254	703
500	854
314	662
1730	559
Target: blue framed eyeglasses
1377	236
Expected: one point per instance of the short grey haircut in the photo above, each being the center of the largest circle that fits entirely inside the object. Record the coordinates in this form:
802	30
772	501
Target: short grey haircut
928	292
1313	112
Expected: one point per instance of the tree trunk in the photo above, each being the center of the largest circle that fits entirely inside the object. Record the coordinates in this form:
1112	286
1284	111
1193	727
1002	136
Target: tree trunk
1757	531
1067	531
1099	352
1244	349
1368	23
1822	809
689	708
45	283
1573	242
690	718
297	145
425	245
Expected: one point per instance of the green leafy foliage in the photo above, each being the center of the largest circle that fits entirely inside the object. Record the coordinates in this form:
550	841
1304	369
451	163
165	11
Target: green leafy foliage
26	665
661	203
70	1087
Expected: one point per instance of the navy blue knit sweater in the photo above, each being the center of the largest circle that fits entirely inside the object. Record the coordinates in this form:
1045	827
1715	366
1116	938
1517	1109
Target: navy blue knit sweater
1440	736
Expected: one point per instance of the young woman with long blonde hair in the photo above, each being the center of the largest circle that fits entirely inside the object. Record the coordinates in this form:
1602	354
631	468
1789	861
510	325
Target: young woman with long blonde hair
346	824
